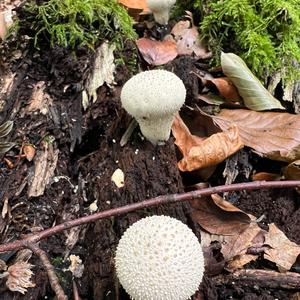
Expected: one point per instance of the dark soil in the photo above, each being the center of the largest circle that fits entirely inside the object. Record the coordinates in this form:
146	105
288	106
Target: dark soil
89	152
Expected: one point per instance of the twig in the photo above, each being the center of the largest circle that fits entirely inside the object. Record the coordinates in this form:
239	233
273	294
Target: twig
54	282
147	203
261	278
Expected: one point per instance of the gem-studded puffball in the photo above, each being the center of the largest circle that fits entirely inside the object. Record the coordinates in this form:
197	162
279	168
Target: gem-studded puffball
161	10
153	98
159	258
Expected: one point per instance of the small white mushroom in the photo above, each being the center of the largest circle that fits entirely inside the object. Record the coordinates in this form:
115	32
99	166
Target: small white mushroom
159	258
161	10
153	98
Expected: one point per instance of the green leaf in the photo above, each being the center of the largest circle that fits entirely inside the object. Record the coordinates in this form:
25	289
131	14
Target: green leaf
254	94
6	128
5	146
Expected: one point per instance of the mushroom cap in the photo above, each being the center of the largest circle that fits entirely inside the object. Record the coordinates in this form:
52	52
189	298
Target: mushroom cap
159	5
159	258
152	94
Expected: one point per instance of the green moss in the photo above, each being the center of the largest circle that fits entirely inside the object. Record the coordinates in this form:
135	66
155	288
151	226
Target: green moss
77	23
263	32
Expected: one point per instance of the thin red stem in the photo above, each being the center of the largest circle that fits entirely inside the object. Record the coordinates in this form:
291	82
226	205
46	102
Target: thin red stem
148	203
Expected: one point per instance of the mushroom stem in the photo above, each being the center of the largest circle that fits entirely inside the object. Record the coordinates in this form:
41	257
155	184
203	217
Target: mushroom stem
149	128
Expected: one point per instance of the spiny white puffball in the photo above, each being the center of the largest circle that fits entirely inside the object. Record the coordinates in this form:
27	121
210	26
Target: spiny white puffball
159	258
153	98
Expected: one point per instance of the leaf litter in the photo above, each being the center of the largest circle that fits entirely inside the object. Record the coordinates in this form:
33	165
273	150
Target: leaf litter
245	235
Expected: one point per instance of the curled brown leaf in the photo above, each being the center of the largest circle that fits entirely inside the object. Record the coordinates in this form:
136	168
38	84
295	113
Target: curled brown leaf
212	151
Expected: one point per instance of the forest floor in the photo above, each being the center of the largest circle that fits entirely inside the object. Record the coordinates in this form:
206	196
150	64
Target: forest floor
75	153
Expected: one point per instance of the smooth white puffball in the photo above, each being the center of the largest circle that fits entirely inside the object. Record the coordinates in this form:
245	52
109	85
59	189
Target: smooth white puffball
159	258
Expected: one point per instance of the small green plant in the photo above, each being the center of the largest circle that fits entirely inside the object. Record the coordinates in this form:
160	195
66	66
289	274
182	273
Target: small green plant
263	32
77	23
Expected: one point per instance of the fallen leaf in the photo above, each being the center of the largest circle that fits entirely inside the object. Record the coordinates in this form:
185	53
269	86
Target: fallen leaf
212	150
282	251
271	134
254	95
188	42
29	152
157	52
6	128
136	4
234	247
44	167
118	178
218	216
226	88
292	171
39	100
184	140
102	71
239	261
265	176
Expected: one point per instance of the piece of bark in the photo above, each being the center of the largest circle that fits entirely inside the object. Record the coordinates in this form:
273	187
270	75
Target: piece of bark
261	278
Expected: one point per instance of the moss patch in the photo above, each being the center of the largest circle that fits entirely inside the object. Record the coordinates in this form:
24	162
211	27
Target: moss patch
263	32
76	23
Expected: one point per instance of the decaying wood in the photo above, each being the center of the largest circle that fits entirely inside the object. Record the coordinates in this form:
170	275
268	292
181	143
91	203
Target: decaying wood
262	278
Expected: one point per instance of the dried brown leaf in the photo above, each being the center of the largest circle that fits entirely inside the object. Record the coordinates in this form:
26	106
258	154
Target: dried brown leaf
219	216
239	261
226	88
157	52
212	151
184	140
234	247
292	171
136	4
188	42
283	252
265	176
271	134
29	152
44	166
39	100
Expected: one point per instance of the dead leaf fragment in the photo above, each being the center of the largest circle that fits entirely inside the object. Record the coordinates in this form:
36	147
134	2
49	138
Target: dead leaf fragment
234	247
136	4
265	176
29	152
39	100
184	140
188	42
157	52
212	151
282	251
271	134
218	216
44	166
226	88
292	171
118	178
19	277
